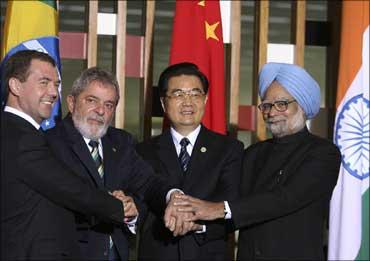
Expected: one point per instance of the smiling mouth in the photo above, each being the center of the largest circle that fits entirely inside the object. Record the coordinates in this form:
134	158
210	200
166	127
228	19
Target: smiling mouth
47	102
187	113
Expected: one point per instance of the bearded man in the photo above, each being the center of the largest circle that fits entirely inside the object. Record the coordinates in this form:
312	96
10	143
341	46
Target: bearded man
287	180
105	158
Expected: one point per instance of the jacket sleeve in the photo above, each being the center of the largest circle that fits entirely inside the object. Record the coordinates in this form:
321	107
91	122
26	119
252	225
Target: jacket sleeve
54	180
228	189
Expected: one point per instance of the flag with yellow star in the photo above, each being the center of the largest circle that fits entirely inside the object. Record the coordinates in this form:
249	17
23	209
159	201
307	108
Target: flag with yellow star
197	38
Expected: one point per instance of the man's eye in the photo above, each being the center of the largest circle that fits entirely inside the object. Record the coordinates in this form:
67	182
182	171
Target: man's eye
109	106
177	94
196	93
90	100
280	103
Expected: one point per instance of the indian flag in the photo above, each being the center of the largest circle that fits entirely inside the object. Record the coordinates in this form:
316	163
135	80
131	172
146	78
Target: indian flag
349	208
33	25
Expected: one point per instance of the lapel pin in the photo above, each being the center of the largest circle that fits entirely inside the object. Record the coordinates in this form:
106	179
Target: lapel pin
114	149
203	149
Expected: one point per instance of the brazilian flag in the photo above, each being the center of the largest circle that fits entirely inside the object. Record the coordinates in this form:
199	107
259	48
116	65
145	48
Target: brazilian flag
33	25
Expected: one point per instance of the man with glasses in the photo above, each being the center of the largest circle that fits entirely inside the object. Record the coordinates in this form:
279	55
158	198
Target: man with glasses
206	164
287	180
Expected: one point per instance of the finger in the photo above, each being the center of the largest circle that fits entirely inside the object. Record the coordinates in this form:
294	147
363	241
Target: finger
191	218
187	226
187	209
118	193
172	224
182	203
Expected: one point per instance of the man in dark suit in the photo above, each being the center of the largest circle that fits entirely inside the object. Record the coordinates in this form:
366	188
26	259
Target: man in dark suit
287	180
205	163
37	191
92	103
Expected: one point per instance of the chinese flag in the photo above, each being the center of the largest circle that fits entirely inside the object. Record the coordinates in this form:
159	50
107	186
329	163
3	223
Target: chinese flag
197	38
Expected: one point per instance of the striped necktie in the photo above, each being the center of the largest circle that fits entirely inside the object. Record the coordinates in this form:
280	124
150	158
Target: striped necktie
184	156
113	254
96	157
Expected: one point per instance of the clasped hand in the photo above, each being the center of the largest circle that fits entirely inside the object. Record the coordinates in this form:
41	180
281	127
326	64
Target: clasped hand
183	211
179	223
129	206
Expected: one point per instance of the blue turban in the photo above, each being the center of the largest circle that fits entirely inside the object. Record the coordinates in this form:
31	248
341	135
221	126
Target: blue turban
304	89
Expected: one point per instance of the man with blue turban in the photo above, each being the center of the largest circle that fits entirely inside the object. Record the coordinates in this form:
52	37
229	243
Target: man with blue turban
287	180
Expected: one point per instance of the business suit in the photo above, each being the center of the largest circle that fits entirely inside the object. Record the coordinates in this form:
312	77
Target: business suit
213	174
37	194
123	170
286	188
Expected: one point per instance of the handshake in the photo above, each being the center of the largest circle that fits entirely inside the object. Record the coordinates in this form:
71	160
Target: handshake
129	206
183	213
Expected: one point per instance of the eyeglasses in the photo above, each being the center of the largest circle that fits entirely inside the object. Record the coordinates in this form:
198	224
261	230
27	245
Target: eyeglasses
180	95
280	106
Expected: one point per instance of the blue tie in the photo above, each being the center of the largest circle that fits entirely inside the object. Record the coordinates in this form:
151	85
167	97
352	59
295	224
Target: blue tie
184	156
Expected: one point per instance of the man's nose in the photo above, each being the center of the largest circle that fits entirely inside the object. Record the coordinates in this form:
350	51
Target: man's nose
52	90
100	109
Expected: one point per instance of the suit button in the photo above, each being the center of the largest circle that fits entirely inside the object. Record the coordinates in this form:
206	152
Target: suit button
105	253
258	252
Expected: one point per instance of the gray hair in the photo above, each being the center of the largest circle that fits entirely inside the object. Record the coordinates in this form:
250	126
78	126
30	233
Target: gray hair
94	74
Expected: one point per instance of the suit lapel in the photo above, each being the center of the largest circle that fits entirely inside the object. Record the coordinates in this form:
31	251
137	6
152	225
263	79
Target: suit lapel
168	156
111	159
81	150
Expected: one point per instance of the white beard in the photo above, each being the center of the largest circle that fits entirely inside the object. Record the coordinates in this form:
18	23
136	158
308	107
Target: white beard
283	128
92	132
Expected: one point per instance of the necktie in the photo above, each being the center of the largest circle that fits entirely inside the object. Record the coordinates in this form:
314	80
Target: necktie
96	157
184	156
112	252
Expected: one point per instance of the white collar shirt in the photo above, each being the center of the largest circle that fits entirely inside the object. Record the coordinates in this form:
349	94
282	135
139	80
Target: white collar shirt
90	148
192	137
22	115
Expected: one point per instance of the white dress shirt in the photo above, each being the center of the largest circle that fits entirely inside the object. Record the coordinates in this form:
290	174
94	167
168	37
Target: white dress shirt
22	115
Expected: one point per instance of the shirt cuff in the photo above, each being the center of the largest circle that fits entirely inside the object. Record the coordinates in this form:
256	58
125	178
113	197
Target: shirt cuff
227	210
169	193
131	225
201	231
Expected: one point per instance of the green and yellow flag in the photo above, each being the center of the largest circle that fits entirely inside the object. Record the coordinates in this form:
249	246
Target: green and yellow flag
33	25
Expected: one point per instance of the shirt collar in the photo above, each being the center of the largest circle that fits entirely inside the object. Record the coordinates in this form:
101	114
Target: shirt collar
22	115
192	137
88	140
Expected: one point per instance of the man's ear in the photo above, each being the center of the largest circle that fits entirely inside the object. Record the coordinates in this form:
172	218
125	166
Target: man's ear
206	99
163	104
14	86
71	103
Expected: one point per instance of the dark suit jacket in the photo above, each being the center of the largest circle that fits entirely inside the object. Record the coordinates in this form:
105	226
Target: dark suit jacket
213	174
36	193
286	188
123	170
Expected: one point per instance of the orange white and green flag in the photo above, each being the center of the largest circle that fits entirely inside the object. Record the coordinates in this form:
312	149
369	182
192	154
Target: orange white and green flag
32	25
349	207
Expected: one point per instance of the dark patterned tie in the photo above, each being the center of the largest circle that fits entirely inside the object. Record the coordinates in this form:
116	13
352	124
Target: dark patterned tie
96	157
184	156
112	252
